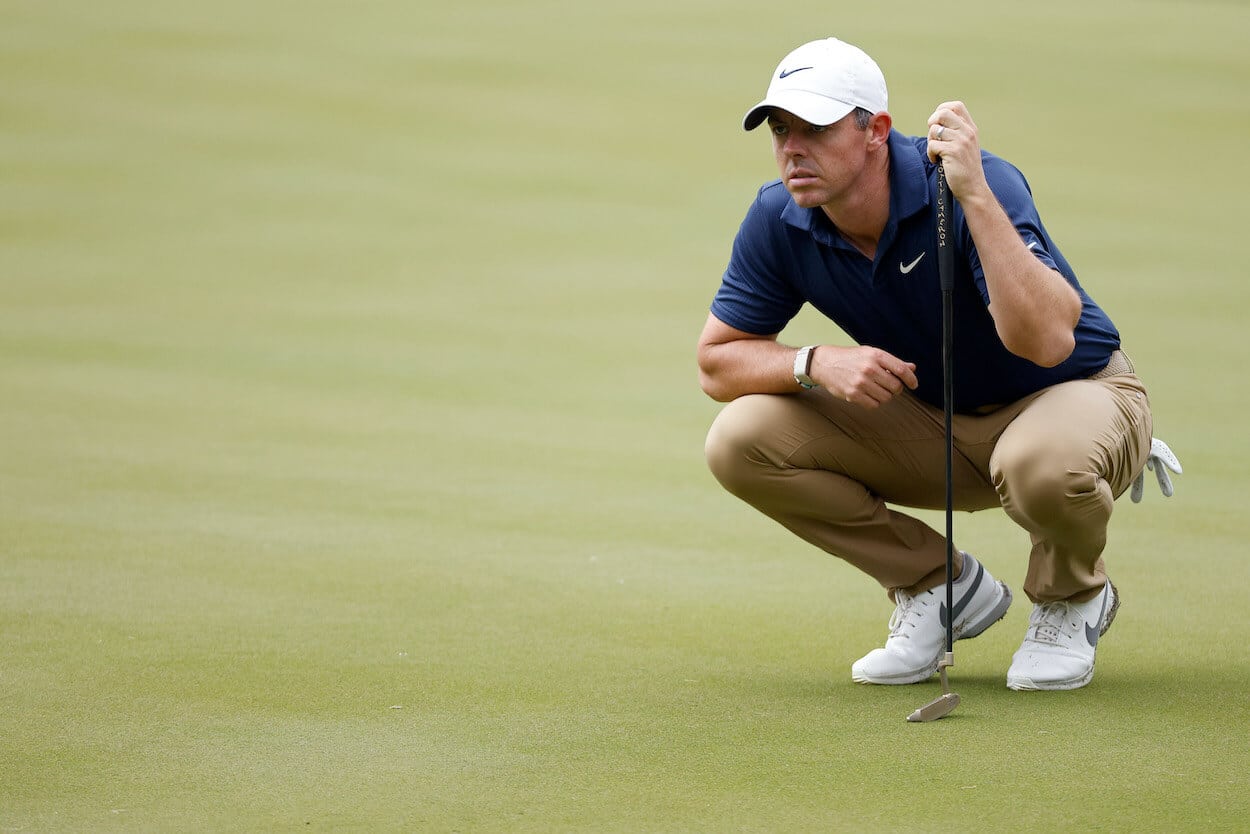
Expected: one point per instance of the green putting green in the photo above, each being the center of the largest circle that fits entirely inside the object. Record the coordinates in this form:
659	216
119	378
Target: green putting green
351	465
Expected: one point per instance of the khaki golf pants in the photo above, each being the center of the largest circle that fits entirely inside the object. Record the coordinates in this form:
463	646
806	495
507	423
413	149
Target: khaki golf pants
829	471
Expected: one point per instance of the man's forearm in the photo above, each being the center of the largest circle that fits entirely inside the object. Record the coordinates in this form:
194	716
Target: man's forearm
746	366
1034	308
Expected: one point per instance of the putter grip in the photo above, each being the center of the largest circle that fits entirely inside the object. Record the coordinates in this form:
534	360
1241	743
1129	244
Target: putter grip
945	236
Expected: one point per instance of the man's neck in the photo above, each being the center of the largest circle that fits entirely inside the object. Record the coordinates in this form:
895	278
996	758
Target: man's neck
861	218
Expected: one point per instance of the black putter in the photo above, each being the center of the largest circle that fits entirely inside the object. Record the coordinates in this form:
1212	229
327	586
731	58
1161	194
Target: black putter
945	703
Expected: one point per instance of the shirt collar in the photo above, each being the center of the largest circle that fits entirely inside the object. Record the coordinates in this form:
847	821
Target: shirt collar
909	179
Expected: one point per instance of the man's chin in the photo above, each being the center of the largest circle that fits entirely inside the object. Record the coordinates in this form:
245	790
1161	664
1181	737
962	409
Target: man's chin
805	198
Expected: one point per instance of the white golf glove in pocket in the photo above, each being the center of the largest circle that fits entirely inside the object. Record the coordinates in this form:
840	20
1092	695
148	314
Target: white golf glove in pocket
1160	461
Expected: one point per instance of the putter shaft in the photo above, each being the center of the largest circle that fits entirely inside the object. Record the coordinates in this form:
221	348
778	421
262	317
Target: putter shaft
947	701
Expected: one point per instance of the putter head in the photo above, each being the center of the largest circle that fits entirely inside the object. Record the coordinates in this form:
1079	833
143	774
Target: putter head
940	707
945	703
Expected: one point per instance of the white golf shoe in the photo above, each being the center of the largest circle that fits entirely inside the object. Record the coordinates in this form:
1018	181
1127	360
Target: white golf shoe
917	638
1058	648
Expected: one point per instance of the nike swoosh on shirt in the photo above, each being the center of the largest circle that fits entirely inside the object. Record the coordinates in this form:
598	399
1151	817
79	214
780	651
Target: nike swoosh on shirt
1092	633
1031	245
788	73
909	267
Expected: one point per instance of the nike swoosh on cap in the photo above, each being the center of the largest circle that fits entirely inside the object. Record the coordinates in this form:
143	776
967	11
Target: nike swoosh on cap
788	73
909	267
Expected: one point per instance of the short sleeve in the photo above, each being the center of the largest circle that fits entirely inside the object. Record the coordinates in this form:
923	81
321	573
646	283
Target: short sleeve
756	295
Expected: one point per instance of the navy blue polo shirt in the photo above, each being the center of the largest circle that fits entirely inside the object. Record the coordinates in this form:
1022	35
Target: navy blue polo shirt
784	256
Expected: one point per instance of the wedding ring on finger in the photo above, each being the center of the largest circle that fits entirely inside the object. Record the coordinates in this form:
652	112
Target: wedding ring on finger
941	129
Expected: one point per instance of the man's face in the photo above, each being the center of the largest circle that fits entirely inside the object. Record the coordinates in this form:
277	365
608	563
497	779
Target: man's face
818	163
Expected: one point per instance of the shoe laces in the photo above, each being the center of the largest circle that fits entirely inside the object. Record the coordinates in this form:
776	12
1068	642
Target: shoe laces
908	612
1056	623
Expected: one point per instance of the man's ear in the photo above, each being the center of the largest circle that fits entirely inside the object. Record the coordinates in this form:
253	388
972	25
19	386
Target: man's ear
879	129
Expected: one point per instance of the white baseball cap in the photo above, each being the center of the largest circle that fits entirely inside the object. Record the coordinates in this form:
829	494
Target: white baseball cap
820	82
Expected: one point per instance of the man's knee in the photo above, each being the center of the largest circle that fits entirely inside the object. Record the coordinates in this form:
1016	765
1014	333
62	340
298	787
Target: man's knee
1038	482
736	443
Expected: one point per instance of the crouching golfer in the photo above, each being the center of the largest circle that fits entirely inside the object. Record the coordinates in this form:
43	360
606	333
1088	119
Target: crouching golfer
1051	423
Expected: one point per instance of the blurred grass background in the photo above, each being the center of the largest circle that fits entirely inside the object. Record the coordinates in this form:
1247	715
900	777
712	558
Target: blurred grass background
350	441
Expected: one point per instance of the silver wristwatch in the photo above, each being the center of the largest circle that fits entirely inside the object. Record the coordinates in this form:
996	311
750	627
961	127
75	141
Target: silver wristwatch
803	366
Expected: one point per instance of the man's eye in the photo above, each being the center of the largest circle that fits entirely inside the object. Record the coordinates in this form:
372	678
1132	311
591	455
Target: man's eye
819	128
779	130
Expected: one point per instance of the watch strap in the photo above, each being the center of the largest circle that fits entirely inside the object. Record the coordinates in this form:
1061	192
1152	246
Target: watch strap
803	366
